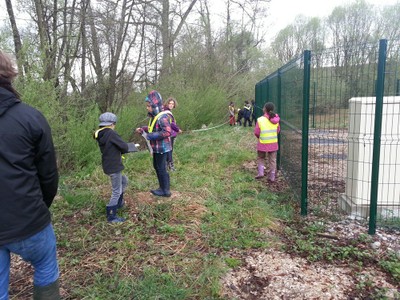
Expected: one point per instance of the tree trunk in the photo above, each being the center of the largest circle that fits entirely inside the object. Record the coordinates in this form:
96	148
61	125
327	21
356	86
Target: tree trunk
22	67
44	37
168	36
97	62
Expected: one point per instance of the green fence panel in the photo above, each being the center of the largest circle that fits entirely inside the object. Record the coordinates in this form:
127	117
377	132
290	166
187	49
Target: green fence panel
343	88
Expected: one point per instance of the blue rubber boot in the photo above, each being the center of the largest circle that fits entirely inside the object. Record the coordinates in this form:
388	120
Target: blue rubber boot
112	215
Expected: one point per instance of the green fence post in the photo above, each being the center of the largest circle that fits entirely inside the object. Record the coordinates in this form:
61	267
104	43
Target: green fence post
313	107
256	96
304	155
278	108
377	136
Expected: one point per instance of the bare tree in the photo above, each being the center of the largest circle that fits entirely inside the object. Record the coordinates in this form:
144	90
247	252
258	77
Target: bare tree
47	48
112	39
167	18
350	25
303	34
388	25
23	68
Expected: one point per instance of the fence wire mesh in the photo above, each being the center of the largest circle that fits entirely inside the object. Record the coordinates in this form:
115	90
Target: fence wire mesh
341	117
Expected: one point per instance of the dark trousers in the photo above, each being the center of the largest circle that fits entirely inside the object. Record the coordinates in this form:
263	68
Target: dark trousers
160	165
246	120
169	154
253	120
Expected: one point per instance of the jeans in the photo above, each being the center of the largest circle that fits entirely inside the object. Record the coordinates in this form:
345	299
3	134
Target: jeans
40	251
118	186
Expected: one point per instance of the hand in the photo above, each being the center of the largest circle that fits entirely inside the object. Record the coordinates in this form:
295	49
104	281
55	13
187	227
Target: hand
139	130
180	131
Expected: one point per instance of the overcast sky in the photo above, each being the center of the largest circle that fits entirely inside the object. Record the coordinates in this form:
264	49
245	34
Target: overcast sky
283	12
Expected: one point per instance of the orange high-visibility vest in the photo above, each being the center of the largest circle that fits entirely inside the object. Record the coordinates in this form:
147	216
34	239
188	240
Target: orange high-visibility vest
268	131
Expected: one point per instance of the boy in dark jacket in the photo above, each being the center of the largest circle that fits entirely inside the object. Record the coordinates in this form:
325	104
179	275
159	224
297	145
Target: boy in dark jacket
246	113
112	147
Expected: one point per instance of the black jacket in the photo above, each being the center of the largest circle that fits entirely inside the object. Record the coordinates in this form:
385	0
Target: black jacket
111	147
28	170
246	112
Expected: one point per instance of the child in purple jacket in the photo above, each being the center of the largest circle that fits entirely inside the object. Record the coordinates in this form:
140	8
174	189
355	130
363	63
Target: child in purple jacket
169	105
266	130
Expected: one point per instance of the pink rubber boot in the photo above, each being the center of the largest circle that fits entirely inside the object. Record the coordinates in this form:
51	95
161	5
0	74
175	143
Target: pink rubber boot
260	167
272	176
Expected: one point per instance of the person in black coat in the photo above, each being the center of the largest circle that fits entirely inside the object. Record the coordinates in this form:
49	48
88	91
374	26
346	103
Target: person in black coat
112	147
246	113
28	185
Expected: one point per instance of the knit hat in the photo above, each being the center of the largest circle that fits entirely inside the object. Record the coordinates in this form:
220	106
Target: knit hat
155	100
107	119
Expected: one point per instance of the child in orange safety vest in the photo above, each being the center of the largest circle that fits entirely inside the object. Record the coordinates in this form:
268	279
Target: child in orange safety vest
266	130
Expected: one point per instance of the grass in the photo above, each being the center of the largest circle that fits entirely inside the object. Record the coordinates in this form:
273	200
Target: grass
176	248
181	247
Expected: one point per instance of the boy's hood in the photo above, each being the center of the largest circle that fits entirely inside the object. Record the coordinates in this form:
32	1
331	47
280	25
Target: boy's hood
155	100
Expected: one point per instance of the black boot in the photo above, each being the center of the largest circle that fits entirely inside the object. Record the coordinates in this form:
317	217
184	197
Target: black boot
112	215
166	188
48	292
157	192
121	201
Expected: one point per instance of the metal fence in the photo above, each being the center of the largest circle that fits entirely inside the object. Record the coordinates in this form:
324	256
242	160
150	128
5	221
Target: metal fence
340	129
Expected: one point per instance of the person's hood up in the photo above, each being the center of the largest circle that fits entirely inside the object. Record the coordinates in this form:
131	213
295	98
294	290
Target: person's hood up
7	99
155	100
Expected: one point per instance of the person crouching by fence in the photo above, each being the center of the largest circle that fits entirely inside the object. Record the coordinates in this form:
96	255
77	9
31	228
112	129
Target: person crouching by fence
266	130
